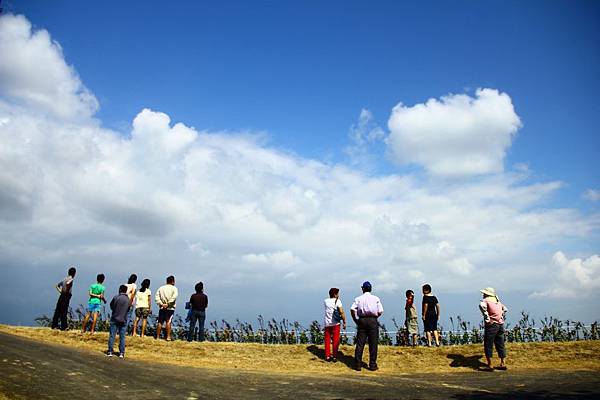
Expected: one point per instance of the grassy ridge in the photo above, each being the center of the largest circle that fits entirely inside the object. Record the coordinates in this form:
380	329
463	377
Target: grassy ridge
580	355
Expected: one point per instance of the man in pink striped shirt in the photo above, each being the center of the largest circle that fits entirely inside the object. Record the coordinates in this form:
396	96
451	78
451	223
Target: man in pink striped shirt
365	310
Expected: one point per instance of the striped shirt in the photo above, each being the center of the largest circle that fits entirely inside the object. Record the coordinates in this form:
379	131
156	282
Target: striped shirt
367	305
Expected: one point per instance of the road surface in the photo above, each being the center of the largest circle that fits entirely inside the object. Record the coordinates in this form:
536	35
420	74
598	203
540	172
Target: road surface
34	370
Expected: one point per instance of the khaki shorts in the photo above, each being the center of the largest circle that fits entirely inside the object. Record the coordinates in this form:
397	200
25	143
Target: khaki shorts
142	312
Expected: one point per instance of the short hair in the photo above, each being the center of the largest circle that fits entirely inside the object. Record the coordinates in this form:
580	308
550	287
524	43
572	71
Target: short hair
72	271
132	279
100	278
427	288
409	292
170	279
199	287
333	291
123	289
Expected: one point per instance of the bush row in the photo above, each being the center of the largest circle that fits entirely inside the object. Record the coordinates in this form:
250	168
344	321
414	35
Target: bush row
548	329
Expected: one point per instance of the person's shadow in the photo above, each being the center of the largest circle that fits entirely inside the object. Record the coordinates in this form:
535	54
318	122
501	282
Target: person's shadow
320	353
473	362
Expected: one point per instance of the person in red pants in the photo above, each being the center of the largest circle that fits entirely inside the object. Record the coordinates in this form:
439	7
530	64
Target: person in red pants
334	317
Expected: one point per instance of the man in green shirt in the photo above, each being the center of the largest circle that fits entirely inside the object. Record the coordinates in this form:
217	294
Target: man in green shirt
94	303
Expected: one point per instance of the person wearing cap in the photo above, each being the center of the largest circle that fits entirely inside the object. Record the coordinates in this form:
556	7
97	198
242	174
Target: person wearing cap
365	310
493	314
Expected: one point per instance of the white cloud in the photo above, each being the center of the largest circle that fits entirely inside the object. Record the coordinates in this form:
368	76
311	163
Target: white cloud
33	72
457	135
240	213
592	195
284	259
575	277
363	135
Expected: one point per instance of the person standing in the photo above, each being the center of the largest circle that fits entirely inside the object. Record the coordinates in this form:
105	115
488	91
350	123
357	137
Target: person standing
334	316
62	305
431	315
198	305
119	306
131	291
411	321
96	293
143	306
493	315
166	298
365	310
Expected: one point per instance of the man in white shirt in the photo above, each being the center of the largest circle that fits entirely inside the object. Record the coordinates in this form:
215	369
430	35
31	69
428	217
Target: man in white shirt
365	310
166	298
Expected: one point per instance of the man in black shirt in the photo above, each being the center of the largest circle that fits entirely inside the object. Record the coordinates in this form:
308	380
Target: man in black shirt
198	304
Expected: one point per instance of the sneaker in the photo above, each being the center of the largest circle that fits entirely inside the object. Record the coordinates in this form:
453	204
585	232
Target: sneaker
121	355
333	359
109	354
328	359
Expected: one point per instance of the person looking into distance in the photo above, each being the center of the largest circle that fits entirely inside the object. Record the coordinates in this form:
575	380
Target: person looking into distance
334	316
131	291
493	335
143	307
166	298
411	321
63	287
365	310
96	293
119	306
198	305
431	315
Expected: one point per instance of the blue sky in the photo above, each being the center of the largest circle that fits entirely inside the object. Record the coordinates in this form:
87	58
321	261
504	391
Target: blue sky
299	74
303	71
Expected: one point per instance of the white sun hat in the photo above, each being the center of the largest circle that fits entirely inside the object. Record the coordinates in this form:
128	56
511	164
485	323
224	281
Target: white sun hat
489	291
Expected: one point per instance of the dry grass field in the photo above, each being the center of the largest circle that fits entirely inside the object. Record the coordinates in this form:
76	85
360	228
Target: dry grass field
299	359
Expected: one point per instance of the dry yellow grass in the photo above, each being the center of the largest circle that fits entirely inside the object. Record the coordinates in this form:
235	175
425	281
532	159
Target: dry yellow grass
299	359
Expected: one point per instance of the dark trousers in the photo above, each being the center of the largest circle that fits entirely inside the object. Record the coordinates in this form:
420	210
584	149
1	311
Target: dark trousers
367	330
493	334
200	316
62	308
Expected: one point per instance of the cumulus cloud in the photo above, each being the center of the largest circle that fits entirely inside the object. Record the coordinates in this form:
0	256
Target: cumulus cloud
457	135
592	195
363	135
574	277
33	72
284	259
166	197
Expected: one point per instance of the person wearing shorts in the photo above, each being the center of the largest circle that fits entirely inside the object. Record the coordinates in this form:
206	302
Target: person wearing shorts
431	315
96	293
166	299
411	321
142	304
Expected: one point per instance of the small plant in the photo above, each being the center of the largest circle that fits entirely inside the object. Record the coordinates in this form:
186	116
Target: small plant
287	332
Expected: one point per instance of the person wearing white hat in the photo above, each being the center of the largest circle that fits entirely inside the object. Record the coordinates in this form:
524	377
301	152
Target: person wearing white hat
493	314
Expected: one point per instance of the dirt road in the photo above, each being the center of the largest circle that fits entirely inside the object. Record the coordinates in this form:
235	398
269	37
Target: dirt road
29	369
